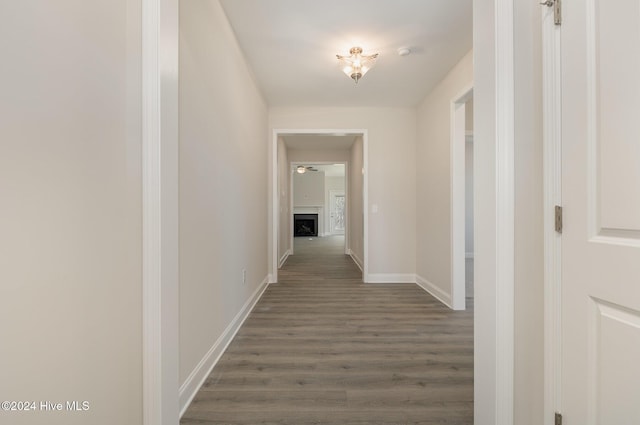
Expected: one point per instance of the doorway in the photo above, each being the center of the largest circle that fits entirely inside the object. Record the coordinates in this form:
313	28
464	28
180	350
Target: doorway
320	156
462	199
318	195
493	42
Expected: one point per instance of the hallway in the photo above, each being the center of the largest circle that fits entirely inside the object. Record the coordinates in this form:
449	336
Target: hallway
321	347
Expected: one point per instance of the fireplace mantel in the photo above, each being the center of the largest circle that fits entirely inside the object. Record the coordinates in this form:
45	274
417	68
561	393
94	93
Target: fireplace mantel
312	209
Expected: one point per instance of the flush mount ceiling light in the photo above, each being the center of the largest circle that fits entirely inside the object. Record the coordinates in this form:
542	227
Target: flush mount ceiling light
356	64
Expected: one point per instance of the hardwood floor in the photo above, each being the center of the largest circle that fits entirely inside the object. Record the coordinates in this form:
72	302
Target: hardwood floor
321	347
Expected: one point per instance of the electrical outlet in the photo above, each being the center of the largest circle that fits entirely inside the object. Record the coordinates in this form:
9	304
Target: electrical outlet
244	276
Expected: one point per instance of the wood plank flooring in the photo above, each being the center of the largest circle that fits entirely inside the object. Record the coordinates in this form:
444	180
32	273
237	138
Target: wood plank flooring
321	347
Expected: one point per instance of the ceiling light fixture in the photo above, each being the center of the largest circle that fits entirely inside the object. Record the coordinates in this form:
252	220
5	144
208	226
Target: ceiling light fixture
301	169
356	64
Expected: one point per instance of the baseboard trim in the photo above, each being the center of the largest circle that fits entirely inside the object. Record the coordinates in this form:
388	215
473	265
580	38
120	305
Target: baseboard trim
284	258
196	378
355	259
391	278
436	292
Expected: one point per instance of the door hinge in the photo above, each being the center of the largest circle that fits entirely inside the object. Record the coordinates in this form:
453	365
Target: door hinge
558	215
557	10
558	419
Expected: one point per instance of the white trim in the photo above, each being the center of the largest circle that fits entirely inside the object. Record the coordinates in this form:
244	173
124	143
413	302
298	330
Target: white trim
284	258
365	205
434	291
291	207
552	136
160	212
198	376
391	278
593	212
354	257
505	201
274	209
457	147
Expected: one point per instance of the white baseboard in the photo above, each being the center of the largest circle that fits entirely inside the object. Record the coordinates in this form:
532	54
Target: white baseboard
355	259
436	292
468	255
284	258
196	378
391	278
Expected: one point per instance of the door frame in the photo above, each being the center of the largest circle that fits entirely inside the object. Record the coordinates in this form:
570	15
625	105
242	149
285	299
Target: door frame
275	205
160	37
160	204
457	168
552	196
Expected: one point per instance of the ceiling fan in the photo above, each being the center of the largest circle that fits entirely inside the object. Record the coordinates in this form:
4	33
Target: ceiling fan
301	169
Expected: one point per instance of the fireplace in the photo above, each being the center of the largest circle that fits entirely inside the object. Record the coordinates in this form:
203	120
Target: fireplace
305	225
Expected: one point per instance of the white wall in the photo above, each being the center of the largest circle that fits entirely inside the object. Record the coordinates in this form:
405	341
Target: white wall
433	231
70	220
223	185
392	177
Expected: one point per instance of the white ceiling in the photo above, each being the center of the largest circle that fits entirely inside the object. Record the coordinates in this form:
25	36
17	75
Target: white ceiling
291	45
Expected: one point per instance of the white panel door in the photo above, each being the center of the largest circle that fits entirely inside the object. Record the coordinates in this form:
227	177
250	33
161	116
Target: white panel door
600	319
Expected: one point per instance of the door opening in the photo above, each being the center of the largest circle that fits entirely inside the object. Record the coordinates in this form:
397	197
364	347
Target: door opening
322	173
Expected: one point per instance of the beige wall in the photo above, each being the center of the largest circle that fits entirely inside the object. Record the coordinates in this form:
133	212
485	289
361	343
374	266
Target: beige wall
392	176
468	196
70	252
484	213
468	121
325	155
308	189
529	248
468	176
223	184
528	253
355	237
70	220
433	231
284	187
